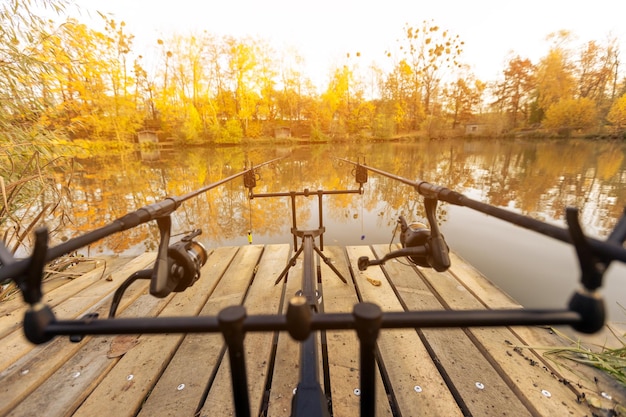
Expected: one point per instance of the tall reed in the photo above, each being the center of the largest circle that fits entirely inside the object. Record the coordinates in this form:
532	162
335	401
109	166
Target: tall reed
34	187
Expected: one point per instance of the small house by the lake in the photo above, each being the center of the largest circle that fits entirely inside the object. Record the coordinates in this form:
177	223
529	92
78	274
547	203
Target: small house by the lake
148	136
477	129
282	132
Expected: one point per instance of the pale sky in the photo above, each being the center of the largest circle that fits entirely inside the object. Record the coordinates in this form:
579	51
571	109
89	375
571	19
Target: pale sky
323	31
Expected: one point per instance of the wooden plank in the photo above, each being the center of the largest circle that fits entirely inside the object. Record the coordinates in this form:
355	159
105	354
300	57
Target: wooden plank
91	291
343	346
486	291
263	298
286	367
64	390
12	311
463	362
29	371
403	354
123	390
198	354
530	382
584	381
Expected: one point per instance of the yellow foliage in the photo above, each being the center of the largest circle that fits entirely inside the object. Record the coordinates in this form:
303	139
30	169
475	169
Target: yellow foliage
617	114
571	114
555	80
254	130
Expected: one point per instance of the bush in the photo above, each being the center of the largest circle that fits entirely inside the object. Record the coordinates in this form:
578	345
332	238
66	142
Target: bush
571	114
384	127
617	114
254	130
317	134
231	132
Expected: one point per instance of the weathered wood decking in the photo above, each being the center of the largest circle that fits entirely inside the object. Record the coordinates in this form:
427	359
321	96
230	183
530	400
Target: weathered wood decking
423	372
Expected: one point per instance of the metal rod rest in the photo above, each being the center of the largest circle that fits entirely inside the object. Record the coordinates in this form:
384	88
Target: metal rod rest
305	193
319	321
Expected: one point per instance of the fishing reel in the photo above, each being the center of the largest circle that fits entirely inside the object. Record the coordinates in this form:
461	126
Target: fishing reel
178	265
185	258
423	246
414	235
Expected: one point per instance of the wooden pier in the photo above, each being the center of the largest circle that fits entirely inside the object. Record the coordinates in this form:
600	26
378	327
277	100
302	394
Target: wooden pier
422	372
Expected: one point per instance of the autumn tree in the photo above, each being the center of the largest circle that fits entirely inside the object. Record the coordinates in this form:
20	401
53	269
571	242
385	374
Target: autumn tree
430	53
123	105
401	101
336	102
211	100
30	153
180	90
72	91
597	67
242	59
555	73
267	109
462	98
89	88
295	89
514	92
361	110
222	88
190	86
145	91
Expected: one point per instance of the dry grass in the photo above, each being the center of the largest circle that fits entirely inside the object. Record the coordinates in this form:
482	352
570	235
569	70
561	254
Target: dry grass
609	360
61	268
29	195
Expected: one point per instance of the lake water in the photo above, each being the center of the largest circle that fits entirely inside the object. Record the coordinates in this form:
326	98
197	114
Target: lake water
538	178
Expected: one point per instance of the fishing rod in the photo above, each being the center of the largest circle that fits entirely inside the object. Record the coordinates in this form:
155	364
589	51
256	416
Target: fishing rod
426	247
176	267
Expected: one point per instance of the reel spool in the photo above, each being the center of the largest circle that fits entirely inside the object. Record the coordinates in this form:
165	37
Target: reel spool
414	234
185	258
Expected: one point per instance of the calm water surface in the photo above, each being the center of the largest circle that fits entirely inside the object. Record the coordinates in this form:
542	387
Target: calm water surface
536	178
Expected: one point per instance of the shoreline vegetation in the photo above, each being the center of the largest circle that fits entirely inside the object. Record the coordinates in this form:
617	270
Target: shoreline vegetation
93	148
89	148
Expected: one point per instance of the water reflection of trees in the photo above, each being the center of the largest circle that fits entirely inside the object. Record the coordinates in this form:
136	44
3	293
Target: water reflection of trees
536	178
540	179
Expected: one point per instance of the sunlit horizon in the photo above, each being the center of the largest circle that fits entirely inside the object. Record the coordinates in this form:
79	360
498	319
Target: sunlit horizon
324	32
